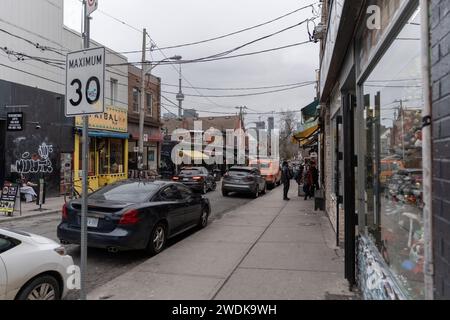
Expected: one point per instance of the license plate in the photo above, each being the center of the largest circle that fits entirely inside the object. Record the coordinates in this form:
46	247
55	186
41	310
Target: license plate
92	222
186	179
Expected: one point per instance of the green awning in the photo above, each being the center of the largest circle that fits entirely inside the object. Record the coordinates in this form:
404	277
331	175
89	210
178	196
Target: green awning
310	111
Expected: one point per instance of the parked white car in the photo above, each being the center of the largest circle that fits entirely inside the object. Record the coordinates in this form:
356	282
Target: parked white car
32	267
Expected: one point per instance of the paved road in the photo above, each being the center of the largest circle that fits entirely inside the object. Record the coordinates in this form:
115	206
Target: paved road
104	266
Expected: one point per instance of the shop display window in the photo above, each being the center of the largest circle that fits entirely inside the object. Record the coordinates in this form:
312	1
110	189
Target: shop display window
117	156
393	101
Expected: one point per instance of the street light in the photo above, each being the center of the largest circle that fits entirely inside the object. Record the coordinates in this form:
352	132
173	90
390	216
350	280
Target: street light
142	109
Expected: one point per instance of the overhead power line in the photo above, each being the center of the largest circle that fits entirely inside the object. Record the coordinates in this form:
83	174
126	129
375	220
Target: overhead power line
239	89
239	31
245	94
210	39
220	58
223	54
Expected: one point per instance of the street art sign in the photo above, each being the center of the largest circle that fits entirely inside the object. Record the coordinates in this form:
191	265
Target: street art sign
37	163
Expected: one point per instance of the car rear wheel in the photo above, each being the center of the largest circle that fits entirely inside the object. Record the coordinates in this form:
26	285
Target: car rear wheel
265	189
203	218
256	194
42	288
157	240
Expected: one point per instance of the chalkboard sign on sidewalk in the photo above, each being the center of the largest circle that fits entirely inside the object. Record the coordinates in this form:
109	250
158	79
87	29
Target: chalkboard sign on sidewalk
8	198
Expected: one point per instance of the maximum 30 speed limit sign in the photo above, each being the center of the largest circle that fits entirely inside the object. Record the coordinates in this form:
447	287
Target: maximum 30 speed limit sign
85	82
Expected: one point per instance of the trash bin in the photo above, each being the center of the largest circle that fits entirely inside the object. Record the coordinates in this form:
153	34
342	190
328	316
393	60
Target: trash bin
319	200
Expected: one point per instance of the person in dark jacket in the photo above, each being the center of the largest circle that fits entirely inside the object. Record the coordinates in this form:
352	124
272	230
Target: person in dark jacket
286	179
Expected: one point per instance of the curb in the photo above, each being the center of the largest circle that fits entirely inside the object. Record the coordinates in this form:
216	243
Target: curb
46	213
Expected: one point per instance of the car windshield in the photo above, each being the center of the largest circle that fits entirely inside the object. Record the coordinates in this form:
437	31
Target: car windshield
134	192
237	172
261	165
191	171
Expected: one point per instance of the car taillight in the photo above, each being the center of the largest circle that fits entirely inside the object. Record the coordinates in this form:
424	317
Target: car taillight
65	214
176	178
129	218
197	178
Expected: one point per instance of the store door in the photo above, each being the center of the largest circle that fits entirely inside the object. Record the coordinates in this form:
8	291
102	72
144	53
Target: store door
2	151
349	106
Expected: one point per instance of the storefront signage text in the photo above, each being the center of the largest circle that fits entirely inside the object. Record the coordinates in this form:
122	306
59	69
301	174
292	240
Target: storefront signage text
113	119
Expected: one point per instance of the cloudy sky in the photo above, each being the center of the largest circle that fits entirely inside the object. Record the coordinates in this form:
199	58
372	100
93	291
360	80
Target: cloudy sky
179	21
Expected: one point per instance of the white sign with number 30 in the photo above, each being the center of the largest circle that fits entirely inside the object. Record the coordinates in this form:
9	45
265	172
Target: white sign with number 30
85	82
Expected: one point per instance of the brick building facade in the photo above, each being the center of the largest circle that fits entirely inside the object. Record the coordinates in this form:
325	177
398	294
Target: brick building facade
440	61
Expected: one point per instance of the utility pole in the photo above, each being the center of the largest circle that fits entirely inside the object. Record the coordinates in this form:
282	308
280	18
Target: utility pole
142	104
180	97
241	113
85	139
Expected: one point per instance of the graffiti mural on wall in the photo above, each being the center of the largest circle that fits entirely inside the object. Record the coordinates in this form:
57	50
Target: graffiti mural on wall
375	280
36	163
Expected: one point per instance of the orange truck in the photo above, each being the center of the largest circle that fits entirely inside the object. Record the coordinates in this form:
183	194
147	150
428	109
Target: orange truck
270	170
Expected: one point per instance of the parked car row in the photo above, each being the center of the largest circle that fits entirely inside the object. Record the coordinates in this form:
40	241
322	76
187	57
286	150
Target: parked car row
127	215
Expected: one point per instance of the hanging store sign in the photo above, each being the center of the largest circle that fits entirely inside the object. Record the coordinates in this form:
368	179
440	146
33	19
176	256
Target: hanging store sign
113	119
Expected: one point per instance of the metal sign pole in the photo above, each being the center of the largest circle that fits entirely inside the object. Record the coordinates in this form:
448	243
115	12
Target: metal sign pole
83	266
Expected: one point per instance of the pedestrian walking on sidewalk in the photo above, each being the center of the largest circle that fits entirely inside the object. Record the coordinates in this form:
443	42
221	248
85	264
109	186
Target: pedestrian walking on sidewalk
308	183
286	179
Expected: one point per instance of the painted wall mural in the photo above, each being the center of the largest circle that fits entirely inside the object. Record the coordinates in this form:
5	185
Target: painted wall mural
375	280
36	163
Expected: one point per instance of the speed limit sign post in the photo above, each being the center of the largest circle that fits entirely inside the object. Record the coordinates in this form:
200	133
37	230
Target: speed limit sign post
85	82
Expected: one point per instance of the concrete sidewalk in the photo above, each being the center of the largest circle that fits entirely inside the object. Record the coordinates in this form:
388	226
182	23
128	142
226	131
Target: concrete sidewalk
266	250
51	206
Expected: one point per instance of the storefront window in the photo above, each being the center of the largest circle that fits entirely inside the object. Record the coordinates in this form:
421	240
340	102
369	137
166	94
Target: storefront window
117	156
91	160
393	103
103	155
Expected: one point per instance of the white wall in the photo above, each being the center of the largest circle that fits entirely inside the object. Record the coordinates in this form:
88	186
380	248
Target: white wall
39	21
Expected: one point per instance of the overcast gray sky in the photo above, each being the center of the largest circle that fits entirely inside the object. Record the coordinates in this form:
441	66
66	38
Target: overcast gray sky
181	21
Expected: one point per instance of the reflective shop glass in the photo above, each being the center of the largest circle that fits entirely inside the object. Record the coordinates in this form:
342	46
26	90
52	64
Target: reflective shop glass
393	101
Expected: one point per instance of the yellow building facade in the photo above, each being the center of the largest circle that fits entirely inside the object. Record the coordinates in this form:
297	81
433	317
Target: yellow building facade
108	148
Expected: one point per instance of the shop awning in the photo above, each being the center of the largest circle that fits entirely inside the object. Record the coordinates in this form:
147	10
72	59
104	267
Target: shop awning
106	134
306	134
311	141
310	111
195	155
